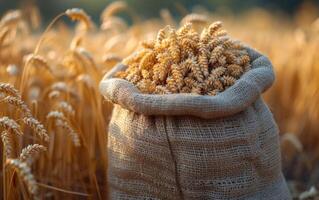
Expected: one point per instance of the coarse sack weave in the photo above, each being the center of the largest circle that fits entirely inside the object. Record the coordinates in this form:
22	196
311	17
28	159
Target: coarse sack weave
183	146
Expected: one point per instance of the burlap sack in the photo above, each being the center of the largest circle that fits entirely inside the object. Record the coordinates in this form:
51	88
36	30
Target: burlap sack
184	146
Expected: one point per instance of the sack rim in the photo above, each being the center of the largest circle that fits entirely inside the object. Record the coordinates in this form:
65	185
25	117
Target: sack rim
234	99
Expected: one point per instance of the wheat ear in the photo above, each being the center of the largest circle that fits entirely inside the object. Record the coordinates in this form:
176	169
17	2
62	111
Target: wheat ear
10	124
7	141
77	14
37	127
25	174
19	104
31	152
62	122
8	89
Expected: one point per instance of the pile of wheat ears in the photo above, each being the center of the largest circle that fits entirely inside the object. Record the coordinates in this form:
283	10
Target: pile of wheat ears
53	121
183	61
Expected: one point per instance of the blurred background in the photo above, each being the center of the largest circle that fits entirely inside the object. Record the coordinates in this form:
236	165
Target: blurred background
151	8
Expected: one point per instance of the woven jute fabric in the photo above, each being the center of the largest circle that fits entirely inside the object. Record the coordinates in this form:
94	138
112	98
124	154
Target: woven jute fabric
184	146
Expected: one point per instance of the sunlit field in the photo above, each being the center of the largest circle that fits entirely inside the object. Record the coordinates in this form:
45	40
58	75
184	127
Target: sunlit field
53	119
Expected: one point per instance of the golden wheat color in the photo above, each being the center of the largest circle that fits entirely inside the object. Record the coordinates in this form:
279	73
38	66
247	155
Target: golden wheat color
57	74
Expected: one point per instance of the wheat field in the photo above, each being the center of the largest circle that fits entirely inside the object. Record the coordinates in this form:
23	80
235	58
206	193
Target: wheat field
53	120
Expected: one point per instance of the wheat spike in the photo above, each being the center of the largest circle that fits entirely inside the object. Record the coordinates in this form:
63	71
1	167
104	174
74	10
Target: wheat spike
25	174
74	135
161	90
149	44
146	86
7	142
31	152
62	122
38	61
184	61
184	30
55	115
228	80
213	92
11	18
19	104
235	70
113	8
66	108
37	127
10	124
174	48
8	89
77	14
147	61
177	76
215	54
161	35
214	27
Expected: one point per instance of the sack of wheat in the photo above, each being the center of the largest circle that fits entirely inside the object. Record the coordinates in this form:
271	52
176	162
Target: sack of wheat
189	121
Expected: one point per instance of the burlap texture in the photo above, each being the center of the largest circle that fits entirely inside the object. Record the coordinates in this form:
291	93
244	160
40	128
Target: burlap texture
184	146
